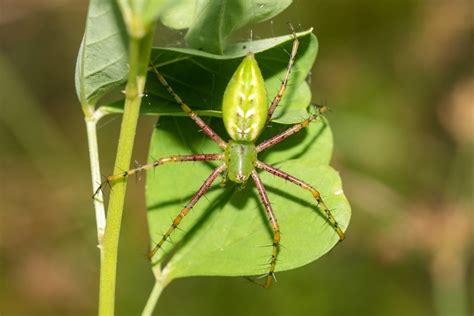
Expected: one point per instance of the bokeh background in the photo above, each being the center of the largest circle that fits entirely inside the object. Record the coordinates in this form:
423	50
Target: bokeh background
398	77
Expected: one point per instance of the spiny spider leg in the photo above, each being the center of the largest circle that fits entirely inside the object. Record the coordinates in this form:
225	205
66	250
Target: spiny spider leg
290	131
284	83
276	229
204	127
159	162
202	190
305	186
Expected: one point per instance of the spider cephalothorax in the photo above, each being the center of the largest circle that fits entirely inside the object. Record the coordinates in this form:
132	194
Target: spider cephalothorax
245	113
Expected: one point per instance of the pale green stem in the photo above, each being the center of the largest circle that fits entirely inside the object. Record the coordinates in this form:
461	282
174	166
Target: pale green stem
450	281
154	296
91	124
450	293
139	55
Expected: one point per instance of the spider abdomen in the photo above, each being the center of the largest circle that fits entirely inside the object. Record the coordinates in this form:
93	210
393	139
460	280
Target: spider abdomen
244	106
240	159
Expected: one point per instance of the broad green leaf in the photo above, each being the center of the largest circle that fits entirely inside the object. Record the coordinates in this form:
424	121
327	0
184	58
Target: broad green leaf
149	107
151	9
179	14
200	78
314	144
227	233
140	15
102	60
210	22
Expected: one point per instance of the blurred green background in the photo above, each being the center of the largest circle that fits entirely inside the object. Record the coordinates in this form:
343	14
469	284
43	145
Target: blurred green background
398	78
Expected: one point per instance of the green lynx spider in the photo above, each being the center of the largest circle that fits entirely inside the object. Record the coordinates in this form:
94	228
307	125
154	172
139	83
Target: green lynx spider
245	113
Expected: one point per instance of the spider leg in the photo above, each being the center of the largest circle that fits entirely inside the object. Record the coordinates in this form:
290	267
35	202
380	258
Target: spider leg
276	229
316	194
204	127
202	190
156	163
284	83
290	131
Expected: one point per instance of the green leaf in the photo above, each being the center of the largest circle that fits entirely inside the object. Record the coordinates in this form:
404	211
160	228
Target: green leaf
200	78
102	60
314	144
210	22
140	15
153	8
179	15
227	232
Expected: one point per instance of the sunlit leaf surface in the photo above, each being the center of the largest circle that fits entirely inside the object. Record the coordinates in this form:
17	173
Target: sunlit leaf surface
200	78
227	233
102	60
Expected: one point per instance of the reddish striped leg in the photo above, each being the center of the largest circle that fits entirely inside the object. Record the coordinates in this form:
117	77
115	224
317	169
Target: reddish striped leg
276	230
305	186
284	82
204	127
156	163
290	131
202	190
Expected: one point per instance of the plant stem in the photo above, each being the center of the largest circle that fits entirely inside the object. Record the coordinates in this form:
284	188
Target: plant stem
450	293
154	296
91	124
139	55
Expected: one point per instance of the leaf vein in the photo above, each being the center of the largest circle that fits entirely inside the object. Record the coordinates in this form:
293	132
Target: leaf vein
102	39
115	61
